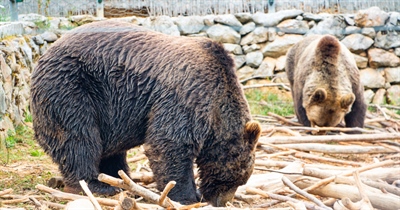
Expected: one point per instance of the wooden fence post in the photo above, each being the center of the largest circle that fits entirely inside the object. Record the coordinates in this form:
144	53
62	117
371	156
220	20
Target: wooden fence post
271	6
100	9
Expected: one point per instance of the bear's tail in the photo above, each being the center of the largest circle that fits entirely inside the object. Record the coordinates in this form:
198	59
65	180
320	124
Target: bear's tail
328	49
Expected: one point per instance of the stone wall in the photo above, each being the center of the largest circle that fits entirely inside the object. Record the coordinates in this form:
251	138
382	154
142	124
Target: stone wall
258	42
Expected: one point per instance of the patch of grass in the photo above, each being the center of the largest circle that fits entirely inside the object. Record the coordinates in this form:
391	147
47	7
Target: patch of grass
262	101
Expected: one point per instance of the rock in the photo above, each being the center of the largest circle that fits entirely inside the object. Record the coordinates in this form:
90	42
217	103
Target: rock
393	95
82	19
280	63
368	96
65	24
224	34
280	45
266	68
201	34
250	48
54	23
372	78
245	72
382	58
311	24
271	34
49	36
233	48
394	18
11	29
240	60
3	105
362	62
312	17
333	25
397	51
189	24
244	17
371	17
293	26
229	20
209	20
281	77
26	49
7	126
392	75
273	19
259	35
391	39
247	28
379	97
254	59
357	42
163	24
349	20
370	32
32	17
352	30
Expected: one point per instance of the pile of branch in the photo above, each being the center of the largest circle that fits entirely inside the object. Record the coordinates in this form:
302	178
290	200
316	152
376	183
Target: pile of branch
293	170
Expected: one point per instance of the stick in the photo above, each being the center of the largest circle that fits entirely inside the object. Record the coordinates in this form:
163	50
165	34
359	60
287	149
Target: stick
365	168
165	192
316	129
283	119
310	197
6	191
266	85
363	194
89	194
320	158
330	138
279	197
128	184
136	158
70	196
339	149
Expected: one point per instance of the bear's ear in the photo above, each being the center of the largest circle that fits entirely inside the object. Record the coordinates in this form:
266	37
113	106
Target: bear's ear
318	96
252	131
347	100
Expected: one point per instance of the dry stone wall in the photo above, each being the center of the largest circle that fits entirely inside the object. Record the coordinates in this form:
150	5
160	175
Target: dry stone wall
258	43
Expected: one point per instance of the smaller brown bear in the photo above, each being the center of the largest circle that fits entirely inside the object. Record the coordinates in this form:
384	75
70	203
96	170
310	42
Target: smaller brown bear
325	83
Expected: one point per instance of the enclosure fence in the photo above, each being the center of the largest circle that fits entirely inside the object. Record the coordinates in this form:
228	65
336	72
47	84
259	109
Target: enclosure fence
65	8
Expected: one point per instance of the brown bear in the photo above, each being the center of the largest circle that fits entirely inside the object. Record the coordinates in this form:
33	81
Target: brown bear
106	87
325	83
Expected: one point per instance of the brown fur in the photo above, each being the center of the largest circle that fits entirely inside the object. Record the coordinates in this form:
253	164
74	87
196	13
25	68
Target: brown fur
106	87
325	83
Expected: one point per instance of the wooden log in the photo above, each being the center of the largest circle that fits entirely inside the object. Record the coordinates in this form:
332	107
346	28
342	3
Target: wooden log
325	159
92	199
378	199
329	138
6	191
338	149
388	175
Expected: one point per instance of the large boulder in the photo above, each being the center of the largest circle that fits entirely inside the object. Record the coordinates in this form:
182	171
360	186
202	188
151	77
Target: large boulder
224	34
333	24
280	45
372	78
357	42
273	19
254	59
189	24
259	35
371	17
388	40
392	75
382	58
293	26
229	20
393	94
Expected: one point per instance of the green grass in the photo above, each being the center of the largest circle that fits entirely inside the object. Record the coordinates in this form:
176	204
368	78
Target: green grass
263	101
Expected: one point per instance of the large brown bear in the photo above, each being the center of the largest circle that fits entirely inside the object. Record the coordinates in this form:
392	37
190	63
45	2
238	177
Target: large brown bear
325	83
109	86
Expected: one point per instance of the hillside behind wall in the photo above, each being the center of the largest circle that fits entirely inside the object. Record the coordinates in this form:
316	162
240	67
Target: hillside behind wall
258	42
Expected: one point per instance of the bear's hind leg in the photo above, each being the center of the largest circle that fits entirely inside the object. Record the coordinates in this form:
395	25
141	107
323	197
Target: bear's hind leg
112	164
80	161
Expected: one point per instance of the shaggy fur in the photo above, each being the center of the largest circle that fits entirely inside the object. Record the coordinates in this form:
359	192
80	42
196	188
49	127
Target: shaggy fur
107	87
325	83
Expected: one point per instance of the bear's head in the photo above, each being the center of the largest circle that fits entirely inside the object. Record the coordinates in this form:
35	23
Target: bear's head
324	110
232	167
